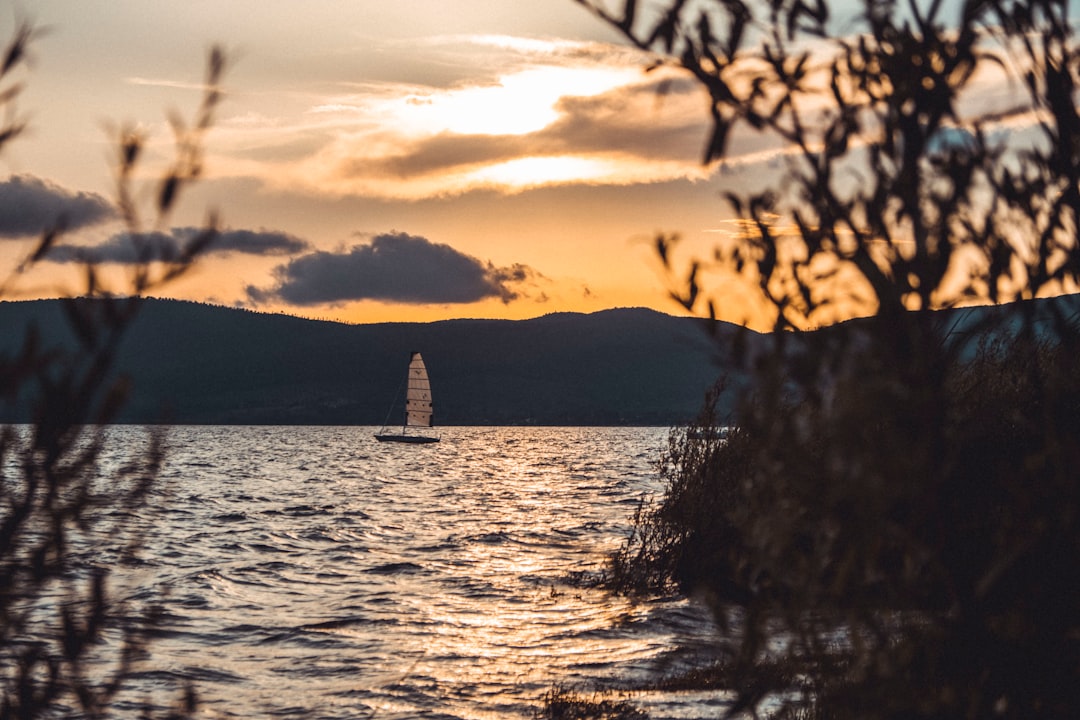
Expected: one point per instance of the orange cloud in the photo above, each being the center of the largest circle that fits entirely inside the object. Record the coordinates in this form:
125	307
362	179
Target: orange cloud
558	114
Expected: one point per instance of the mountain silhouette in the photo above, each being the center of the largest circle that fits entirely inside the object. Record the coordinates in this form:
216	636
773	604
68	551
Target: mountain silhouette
192	363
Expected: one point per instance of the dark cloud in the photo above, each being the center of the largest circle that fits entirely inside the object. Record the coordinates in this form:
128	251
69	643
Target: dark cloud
632	121
445	151
29	206
124	249
128	249
394	267
258	242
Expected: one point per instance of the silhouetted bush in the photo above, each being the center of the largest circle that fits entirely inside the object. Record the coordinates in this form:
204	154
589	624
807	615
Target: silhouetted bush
895	554
74	507
891	531
562	704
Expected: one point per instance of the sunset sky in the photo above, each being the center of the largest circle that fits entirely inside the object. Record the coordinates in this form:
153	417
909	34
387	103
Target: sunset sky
373	161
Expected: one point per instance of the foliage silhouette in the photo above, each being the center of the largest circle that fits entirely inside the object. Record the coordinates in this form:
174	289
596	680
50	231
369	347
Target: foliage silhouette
894	198
72	504
891	531
562	704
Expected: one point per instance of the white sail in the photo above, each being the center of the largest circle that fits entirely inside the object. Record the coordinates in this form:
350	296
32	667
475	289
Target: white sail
418	395
417	407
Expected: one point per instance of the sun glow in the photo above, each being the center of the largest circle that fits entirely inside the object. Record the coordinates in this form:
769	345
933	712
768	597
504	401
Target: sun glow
518	104
537	171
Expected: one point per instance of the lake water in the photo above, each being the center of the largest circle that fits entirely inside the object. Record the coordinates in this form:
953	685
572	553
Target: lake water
313	572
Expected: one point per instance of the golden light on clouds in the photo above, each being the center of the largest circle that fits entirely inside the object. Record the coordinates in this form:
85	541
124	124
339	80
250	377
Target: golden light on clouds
517	104
535	171
532	172
557	113
526	139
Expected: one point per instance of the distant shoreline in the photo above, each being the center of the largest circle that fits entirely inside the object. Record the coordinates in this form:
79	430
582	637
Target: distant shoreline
195	364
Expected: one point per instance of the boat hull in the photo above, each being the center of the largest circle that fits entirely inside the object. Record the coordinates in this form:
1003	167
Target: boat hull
410	439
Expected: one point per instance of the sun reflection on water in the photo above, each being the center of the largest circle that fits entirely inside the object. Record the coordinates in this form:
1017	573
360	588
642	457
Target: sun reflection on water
342	579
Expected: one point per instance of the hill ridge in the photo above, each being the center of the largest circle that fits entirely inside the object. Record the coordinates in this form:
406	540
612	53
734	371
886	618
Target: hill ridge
199	363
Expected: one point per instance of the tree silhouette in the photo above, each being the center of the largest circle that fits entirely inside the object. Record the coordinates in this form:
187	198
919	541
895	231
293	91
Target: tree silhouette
898	181
891	531
72	504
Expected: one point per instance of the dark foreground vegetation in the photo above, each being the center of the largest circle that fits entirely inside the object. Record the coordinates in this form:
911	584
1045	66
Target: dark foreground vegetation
74	509
563	704
891	530
876	549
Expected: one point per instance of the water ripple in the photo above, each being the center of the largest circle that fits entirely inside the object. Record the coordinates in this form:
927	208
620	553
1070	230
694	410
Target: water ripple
335	577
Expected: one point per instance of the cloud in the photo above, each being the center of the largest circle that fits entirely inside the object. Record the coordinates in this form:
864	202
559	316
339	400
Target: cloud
549	114
531	113
127	249
392	267
258	242
30	206
640	129
617	123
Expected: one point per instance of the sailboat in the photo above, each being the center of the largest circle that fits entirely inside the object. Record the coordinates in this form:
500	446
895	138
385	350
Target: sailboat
418	410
